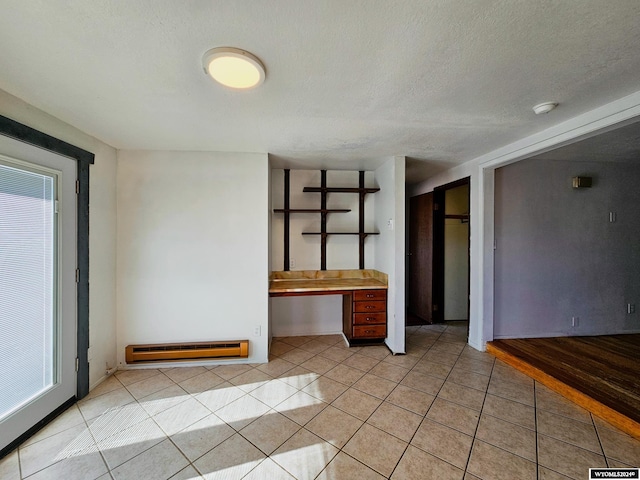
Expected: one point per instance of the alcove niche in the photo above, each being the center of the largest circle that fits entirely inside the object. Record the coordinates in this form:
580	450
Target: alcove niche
318	314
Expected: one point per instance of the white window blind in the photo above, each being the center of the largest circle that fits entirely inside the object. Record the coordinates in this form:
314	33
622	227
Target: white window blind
27	286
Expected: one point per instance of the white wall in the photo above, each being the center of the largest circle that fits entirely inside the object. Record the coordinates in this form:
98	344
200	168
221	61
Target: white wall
317	315
390	245
102	229
307	315
192	248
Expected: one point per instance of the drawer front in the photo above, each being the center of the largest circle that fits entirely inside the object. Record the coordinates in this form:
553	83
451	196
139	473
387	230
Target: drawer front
373	306
360	295
370	331
369	318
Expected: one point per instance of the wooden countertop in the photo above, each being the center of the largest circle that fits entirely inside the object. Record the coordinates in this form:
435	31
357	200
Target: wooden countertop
318	282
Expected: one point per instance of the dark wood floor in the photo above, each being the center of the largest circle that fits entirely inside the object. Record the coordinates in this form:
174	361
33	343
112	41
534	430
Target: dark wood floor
600	373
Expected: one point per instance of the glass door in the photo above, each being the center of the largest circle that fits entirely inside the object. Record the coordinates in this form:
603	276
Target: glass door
37	297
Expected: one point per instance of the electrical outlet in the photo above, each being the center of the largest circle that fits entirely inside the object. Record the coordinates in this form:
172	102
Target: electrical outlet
256	331
631	308
390	224
292	262
575	321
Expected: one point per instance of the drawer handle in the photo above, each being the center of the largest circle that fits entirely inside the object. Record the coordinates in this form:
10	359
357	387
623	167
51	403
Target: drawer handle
370	295
370	319
369	331
370	306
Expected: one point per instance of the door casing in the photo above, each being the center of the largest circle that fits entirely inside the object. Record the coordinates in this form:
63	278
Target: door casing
23	133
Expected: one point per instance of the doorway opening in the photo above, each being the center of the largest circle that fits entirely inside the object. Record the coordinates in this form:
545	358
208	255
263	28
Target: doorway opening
438	262
455	253
24	149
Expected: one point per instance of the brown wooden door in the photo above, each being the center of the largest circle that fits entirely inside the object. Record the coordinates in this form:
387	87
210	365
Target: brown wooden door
420	301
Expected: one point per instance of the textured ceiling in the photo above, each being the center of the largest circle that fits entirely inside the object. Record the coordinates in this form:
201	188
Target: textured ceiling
349	82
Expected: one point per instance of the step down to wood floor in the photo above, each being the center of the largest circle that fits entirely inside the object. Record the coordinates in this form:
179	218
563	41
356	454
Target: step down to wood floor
501	350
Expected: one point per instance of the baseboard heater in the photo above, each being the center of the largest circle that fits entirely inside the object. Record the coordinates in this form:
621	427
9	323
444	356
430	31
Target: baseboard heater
175	352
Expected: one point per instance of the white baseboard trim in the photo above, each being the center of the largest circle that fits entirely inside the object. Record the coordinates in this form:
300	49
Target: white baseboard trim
298	333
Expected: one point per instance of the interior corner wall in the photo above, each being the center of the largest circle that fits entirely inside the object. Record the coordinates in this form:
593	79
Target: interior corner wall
102	229
192	241
317	315
390	245
557	254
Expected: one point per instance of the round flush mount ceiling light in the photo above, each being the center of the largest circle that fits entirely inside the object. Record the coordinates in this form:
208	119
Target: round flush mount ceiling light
233	67
545	107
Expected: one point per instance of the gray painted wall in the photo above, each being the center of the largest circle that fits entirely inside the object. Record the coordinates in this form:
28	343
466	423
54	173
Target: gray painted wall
557	254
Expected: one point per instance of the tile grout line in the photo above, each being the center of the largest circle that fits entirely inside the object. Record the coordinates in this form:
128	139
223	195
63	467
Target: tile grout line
303	427
19	462
535	410
364	422
595	427
424	416
236	431
475	433
427	412
189	463
510	422
300	427
104	460
166	435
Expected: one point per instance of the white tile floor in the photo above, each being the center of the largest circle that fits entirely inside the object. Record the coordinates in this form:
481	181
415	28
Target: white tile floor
321	410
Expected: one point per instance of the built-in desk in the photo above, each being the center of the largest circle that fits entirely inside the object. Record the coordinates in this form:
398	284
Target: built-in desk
364	293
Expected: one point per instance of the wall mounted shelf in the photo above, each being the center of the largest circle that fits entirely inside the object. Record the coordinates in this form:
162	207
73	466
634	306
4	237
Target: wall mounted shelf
361	190
464	218
311	210
341	233
339	190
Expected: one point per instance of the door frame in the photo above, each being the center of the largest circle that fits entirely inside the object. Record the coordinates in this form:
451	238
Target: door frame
23	133
439	194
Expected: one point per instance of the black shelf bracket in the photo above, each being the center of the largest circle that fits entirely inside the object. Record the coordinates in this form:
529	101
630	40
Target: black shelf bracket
286	219
323	220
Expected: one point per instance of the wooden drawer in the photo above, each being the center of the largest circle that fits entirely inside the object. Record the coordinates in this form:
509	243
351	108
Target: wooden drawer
369	331
360	295
369	318
370	306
